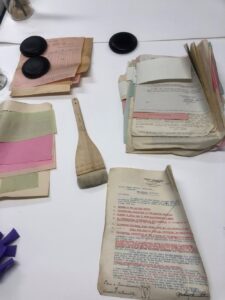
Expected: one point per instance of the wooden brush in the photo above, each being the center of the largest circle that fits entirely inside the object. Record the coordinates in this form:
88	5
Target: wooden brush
90	167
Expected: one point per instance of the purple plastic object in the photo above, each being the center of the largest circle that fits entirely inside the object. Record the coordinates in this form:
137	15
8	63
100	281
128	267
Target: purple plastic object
10	237
5	266
7	250
10	251
2	250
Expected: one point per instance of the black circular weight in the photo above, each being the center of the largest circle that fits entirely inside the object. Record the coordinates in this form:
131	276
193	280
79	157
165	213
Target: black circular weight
123	42
33	46
35	67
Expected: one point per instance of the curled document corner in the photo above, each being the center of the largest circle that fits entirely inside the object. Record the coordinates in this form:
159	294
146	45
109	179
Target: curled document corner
163	68
148	249
7	250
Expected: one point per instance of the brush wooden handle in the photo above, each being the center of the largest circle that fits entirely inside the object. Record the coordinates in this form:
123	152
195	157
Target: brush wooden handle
78	114
88	158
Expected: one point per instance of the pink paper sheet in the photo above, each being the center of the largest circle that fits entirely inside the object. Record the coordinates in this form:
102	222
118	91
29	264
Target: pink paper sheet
32	150
76	79
124	104
160	116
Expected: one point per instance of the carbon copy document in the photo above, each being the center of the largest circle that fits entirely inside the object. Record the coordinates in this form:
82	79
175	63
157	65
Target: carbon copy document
148	249
172	97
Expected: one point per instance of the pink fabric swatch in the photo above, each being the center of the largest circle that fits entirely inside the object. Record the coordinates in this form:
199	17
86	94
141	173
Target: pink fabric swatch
32	150
24	166
160	116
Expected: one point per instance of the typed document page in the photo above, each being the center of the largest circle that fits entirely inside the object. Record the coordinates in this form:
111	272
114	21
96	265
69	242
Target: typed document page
173	97
148	250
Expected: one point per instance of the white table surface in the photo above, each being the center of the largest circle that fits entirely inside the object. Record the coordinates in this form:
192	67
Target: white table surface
147	19
59	249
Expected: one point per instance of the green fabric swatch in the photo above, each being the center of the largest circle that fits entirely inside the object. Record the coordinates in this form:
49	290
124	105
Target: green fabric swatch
18	182
16	126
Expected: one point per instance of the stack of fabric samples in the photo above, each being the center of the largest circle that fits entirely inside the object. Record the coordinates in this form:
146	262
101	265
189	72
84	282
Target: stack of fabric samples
27	149
173	105
69	60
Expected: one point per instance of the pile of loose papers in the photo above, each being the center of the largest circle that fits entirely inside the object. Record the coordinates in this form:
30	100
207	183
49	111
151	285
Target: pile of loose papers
69	59
27	149
173	104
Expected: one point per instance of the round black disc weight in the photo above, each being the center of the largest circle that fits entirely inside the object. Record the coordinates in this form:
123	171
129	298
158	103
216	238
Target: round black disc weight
33	46
35	67
123	42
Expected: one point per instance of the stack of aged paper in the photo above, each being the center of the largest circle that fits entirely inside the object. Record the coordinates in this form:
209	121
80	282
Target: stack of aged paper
27	149
173	104
148	249
69	59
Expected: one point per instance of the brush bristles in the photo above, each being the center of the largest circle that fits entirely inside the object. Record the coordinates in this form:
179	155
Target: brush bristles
92	179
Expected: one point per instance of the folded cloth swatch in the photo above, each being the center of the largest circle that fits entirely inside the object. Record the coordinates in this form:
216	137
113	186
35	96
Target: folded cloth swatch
7	250
10	105
18	182
27	167
32	150
27	188
17	126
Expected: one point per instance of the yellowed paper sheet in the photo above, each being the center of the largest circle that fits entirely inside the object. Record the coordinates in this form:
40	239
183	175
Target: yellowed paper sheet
168	145
202	61
148	249
163	68
46	89
62	86
171	97
86	55
196	125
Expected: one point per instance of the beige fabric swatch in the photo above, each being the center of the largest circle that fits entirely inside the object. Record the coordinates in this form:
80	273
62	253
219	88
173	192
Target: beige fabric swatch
18	182
42	190
15	126
16	106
